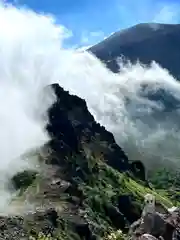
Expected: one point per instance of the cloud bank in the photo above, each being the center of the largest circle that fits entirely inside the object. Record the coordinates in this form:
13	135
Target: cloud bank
32	57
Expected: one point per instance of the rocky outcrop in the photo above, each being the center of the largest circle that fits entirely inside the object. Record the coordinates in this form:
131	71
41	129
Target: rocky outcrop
71	125
158	226
87	186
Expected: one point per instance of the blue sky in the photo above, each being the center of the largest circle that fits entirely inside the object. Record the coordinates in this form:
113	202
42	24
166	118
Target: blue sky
92	20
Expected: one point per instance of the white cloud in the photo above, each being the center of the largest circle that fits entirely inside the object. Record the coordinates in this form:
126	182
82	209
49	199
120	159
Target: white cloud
84	48
97	34
31	58
91	37
133	12
88	39
27	41
168	14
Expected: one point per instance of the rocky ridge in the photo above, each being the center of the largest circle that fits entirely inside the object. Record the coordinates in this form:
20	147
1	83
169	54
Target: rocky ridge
87	188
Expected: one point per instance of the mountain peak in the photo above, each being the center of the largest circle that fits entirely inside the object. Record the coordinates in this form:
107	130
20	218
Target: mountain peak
144	42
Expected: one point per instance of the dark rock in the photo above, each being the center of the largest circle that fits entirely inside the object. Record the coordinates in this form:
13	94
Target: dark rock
154	224
172	225
117	218
60	127
80	226
53	216
170	233
74	200
73	190
138	169
70	123
164	226
84	231
128	208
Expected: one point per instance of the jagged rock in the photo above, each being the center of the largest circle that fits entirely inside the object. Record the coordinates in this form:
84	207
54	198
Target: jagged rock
60	128
70	123
152	224
173	225
83	229
158	225
163	224
68	190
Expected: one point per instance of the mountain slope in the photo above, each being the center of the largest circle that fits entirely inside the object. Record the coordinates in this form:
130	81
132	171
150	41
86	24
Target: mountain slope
144	42
86	189
72	125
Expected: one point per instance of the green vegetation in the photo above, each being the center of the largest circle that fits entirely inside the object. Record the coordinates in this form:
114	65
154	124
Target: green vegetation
61	236
167	182
24	179
117	235
100	187
165	179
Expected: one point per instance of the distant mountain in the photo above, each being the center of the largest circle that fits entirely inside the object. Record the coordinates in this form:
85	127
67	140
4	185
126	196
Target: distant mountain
144	42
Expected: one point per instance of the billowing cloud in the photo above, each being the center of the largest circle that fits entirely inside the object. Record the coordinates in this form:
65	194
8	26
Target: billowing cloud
134	12
168	14
91	37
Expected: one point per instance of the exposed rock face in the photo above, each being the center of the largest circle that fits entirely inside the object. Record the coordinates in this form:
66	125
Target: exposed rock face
71	124
79	193
164	226
48	222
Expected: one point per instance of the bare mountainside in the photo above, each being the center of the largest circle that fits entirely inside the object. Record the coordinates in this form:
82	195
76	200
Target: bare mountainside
144	42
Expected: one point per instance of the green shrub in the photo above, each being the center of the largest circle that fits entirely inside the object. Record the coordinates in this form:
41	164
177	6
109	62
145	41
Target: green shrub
24	179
